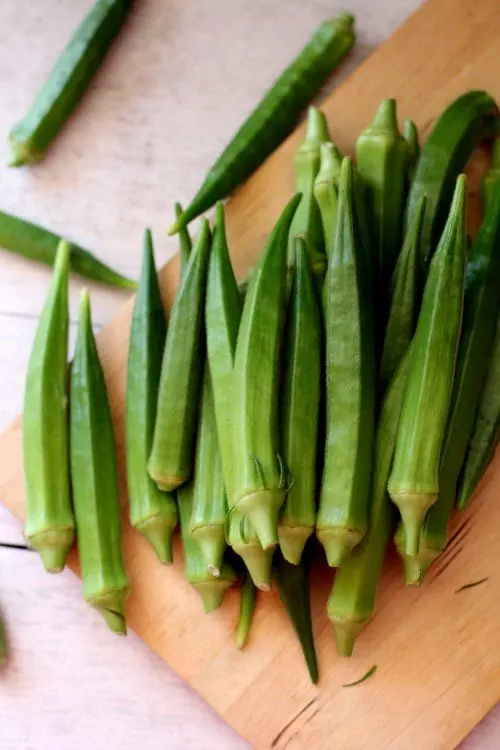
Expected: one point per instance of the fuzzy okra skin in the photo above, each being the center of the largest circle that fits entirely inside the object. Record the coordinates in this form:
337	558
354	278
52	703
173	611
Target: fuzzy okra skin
326	191
300	409
67	82
50	526
350	387
352	601
382	155
208	519
223	314
260	477
172	453
405	299
152	513
413	484
94	480
210	588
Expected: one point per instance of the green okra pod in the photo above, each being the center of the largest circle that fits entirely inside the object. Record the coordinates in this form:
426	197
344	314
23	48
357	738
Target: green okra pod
248	597
152	513
350	387
413	484
185	243
210	588
275	116
352	601
381	154
67	82
260	476
94	480
300	409
243	539
326	191
172	453
492	177
486	431
410	134
405	300
208	520
460	128
50	526
36	243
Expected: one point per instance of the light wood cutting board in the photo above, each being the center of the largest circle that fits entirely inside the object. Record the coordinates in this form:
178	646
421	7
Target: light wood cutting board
437	651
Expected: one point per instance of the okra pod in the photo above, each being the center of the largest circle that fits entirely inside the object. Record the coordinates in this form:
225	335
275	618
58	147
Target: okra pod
326	187
94	480
461	127
211	589
352	601
36	243
67	82
152	513
260	476
492	177
410	134
171	460
185	243
247	607
405	299
208	520
350	387
300	409
275	116
413	484
50	526
382	154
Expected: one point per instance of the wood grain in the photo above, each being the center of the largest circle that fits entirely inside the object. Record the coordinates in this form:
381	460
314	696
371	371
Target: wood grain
437	652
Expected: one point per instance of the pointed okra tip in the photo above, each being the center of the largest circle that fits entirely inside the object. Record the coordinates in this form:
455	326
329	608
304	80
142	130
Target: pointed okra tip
346	633
385	118
158	530
317	127
338	543
344	22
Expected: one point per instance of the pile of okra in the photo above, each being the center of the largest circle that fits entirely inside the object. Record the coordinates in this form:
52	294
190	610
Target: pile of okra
343	394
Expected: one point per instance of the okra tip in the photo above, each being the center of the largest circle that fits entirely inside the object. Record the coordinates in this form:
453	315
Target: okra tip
385	117
292	540
338	543
413	513
346	633
344	21
20	154
111	605
413	570
212	592
53	547
262	508
258	562
212	543
158	531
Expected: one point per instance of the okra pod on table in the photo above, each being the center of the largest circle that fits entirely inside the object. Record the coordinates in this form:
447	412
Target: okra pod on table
172	453
67	82
275	116
94	480
300	398
50	526
260	475
350	386
152	513
326	191
36	243
413	484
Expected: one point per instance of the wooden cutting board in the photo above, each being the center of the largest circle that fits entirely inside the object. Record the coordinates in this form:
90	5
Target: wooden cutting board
437	651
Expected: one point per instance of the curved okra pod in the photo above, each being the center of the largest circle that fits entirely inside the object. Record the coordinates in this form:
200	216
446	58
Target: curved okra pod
36	243
208	520
405	300
50	526
492	177
381	154
94	480
211	589
275	116
152	513
260	477
413	484
410	134
455	135
350	387
326	191
352	601
307	219
300	409
172	453
248	597
481	310
67	82
486	431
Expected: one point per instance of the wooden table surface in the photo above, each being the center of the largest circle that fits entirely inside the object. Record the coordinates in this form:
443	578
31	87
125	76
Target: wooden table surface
173	90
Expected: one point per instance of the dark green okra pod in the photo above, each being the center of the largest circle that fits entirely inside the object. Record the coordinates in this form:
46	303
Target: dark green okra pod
326	191
50	526
260	476
410	134
67	82
350	387
38	244
300	409
413	484
152	513
492	177
94	480
172	454
275	116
